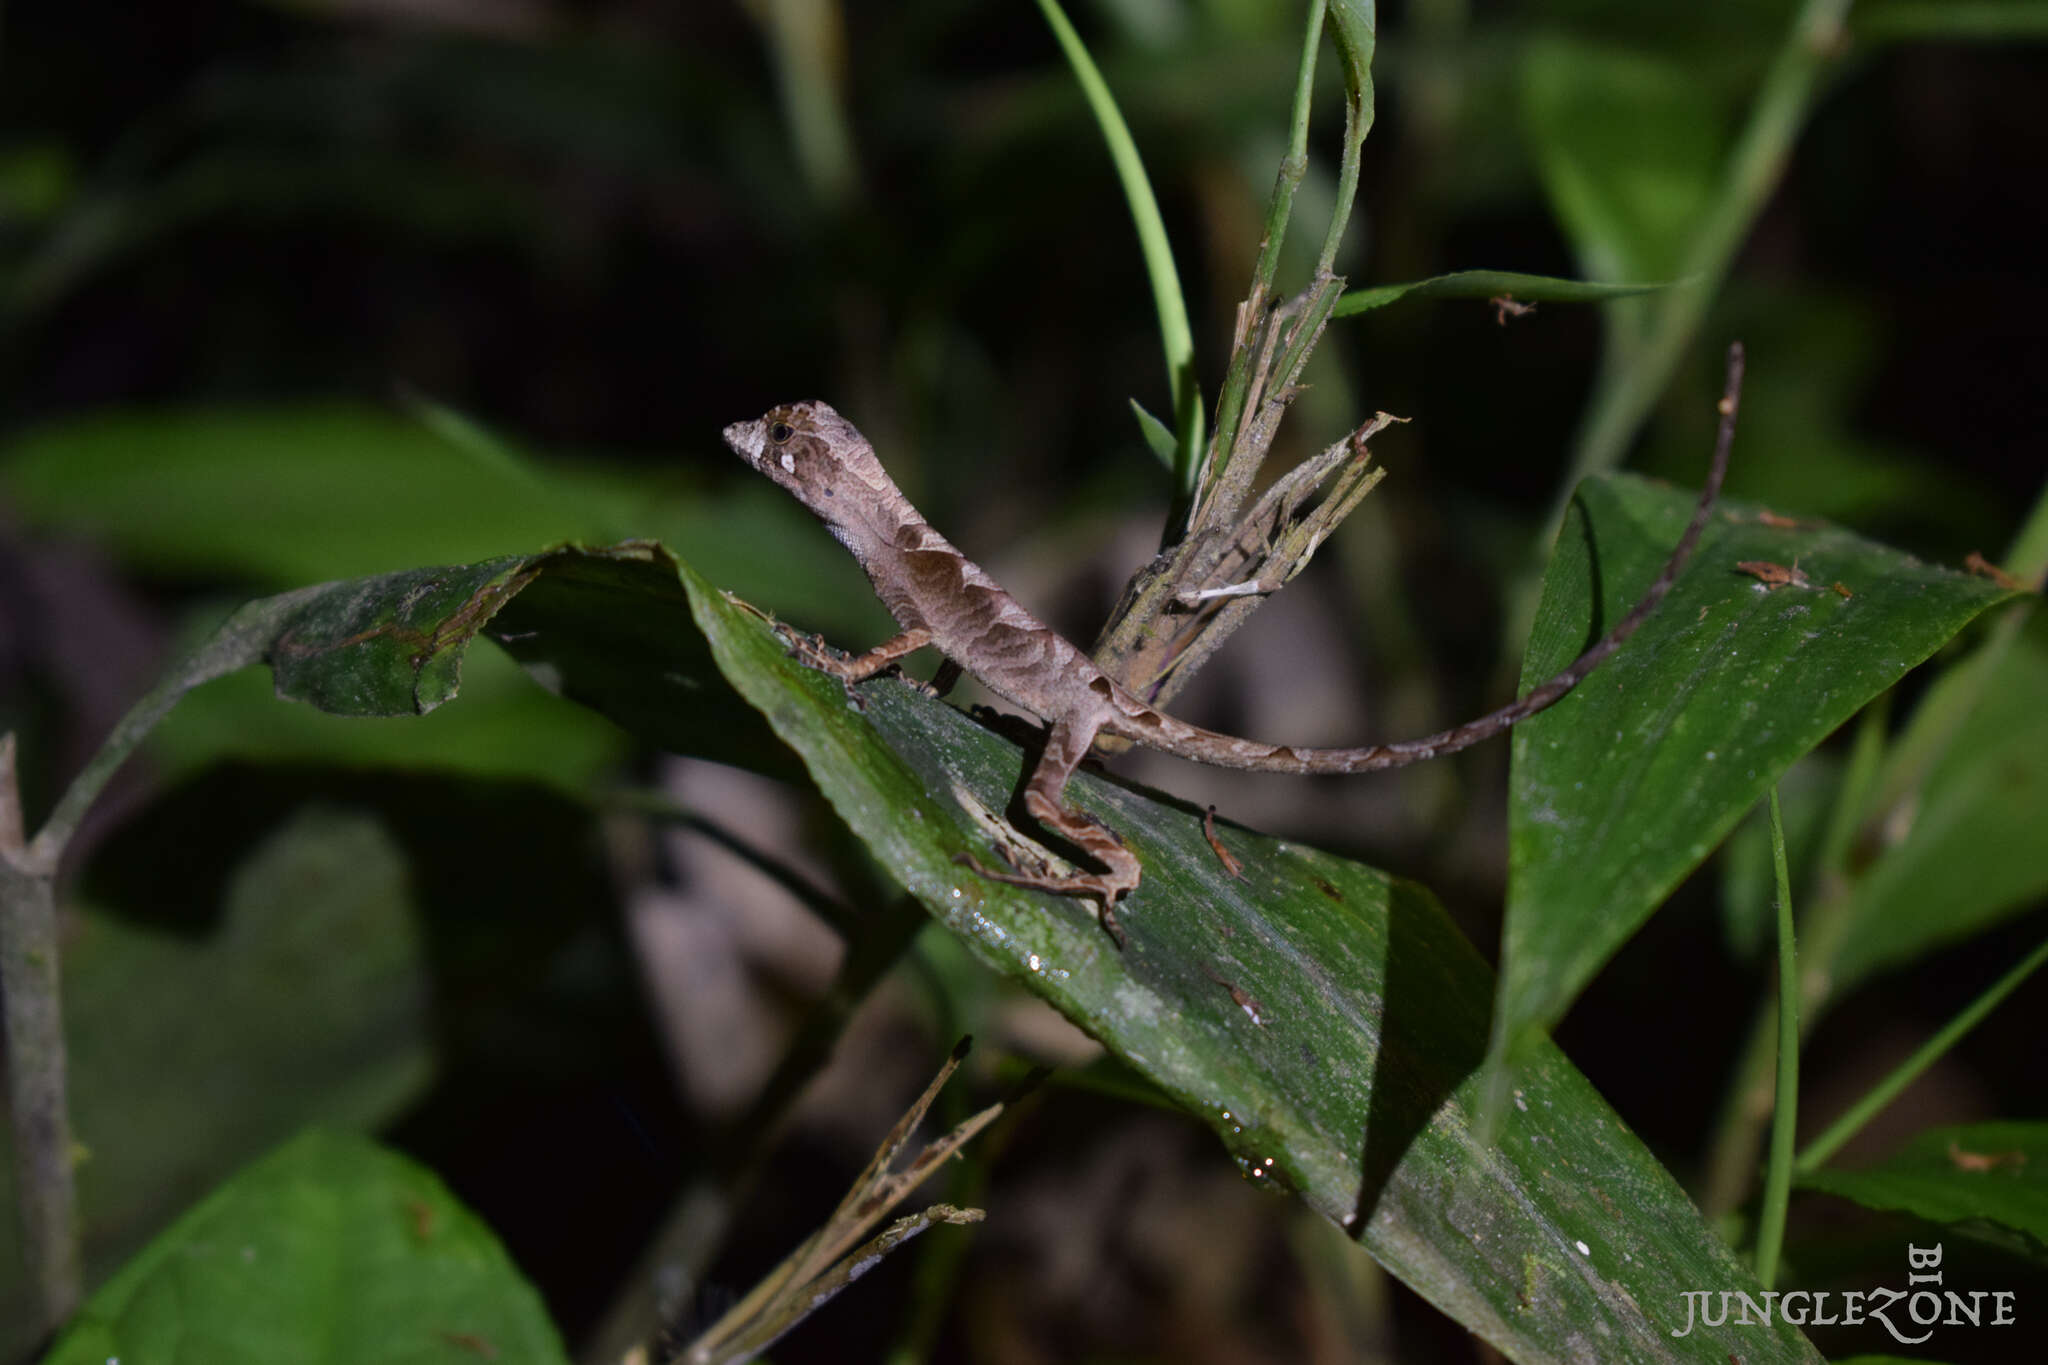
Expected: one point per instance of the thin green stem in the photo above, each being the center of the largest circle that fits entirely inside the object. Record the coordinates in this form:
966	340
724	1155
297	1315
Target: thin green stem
241	640
1176	337
1770	1237
1884	1092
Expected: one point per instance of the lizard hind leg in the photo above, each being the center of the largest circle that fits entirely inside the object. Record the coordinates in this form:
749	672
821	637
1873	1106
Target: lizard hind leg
1065	745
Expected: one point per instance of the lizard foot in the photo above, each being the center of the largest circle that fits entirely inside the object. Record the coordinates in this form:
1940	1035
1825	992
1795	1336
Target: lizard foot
1104	888
812	652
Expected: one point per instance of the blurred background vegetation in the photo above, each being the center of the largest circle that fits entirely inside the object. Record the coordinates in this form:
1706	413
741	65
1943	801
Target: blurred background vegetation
298	291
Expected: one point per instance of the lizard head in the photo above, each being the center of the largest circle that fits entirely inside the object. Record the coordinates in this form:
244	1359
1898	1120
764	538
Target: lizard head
814	453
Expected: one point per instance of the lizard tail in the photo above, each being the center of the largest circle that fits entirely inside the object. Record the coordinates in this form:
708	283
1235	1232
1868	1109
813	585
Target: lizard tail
1227	751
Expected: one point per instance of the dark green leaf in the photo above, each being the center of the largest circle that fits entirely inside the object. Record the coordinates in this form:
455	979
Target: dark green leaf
1487	284
291	495
1969	850
1921	20
505	728
1629	145
307	1001
1975	1176
602	627
1326	1020
330	1249
1622	788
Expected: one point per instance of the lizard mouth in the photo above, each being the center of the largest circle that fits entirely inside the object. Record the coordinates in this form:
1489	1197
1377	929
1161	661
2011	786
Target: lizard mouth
745	440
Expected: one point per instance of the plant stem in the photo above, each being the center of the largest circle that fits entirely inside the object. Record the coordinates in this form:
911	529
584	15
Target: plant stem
1885	1091
30	981
1785	1110
669	1273
44	1189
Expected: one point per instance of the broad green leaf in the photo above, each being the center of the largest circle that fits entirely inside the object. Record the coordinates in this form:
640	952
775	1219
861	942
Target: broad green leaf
505	728
1326	1020
1989	1179
1969	850
1629	145
1487	284
1622	788
1922	20
305	1002
596	626
285	495
330	1249
288	495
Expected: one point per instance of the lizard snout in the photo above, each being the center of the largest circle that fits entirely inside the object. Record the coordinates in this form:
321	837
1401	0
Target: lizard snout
745	440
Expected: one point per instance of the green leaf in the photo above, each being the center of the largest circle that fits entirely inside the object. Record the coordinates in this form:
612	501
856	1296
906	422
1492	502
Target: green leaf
1318	1014
505	729
330	1249
281	496
1487	284
1630	147
290	495
1622	788
306	1001
1967	852
1982	1178
1325	1019
1158	437
597	626
1921	20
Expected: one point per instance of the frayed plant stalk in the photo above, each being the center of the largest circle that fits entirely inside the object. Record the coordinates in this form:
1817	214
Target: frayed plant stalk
1223	561
841	1250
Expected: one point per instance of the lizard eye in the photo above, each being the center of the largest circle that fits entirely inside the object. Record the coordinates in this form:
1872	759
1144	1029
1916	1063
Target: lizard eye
781	432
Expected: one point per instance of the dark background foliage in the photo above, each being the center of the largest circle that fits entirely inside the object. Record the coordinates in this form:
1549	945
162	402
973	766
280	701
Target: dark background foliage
591	228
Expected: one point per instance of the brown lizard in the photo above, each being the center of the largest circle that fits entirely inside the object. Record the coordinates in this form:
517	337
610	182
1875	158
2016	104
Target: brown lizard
943	599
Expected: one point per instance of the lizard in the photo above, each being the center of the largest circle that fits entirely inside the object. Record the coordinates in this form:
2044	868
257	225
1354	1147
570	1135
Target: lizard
941	598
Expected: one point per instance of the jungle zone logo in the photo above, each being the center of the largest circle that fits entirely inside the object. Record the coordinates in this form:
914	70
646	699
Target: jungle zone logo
1910	1314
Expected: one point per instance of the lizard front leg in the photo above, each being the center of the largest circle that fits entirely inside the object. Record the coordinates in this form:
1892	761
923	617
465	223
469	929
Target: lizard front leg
815	653
1066	744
